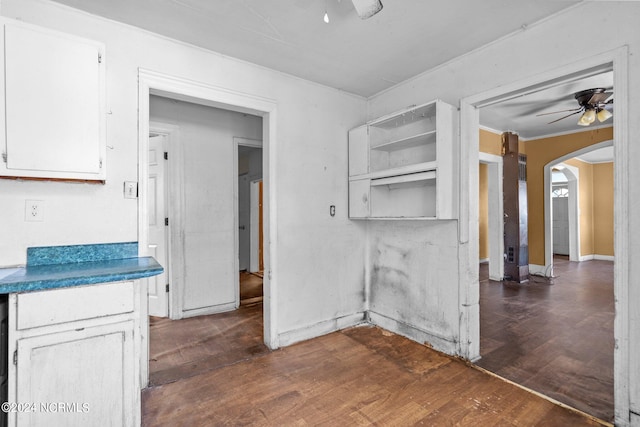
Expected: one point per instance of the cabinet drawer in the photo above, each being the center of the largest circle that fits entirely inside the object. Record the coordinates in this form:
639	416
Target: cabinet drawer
55	306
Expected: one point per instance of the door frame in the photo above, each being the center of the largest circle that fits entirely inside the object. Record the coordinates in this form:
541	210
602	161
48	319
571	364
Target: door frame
245	142
616	60
174	207
496	214
573	187
155	83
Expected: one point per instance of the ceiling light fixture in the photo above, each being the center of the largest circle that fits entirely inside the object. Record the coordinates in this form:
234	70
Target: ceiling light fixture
367	8
603	114
588	117
326	17
593	104
593	101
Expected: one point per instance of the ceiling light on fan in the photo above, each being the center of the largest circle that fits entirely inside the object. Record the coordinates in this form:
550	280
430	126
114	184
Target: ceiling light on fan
367	8
588	117
603	114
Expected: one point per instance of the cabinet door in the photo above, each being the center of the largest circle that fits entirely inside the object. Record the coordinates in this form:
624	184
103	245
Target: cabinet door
90	371
359	198
358	151
54	118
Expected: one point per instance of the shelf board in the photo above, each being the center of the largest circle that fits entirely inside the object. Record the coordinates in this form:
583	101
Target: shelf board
407	116
402	179
403	170
408	142
399	218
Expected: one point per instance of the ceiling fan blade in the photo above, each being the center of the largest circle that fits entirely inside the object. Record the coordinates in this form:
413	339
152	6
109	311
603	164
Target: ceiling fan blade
560	111
568	115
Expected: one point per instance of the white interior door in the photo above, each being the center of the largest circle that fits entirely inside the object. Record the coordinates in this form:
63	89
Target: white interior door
158	231
561	225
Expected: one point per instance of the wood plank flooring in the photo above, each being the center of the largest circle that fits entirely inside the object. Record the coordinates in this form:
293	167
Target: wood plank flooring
360	376
187	347
555	338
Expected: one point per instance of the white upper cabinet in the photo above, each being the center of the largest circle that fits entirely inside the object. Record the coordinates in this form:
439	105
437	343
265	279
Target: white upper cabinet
402	165
53	87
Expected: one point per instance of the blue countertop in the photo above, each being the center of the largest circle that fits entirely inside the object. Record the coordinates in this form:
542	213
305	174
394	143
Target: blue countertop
65	272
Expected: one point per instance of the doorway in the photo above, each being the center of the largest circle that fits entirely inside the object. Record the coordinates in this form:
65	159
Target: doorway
249	193
152	83
572	175
491	224
470	327
560	207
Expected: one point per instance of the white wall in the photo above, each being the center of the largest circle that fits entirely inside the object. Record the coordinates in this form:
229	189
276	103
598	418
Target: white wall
543	47
413	278
206	141
321	264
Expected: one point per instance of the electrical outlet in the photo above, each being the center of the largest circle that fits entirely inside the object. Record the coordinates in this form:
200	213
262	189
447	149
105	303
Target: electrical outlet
34	210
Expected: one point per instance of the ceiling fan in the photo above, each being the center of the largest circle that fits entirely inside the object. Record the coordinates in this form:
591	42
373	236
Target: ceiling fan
367	8
593	104
364	8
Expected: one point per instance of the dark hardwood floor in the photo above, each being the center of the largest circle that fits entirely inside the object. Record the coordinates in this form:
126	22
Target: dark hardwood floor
187	347
359	376
554	337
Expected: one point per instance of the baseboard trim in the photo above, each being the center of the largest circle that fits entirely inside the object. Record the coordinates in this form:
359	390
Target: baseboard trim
222	308
586	257
604	257
321	328
434	340
484	261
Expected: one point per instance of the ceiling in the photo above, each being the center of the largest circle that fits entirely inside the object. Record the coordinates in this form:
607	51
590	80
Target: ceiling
520	114
597	156
358	56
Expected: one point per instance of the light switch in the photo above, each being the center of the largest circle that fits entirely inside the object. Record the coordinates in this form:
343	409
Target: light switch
130	190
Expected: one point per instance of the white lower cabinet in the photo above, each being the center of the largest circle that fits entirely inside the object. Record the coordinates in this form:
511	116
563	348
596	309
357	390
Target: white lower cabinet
83	371
78	378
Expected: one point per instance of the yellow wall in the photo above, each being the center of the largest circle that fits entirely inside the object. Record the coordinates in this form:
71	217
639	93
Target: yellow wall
539	153
490	142
603	208
483	198
596	191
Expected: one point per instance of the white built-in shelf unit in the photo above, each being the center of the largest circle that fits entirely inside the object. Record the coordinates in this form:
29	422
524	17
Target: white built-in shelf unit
401	165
